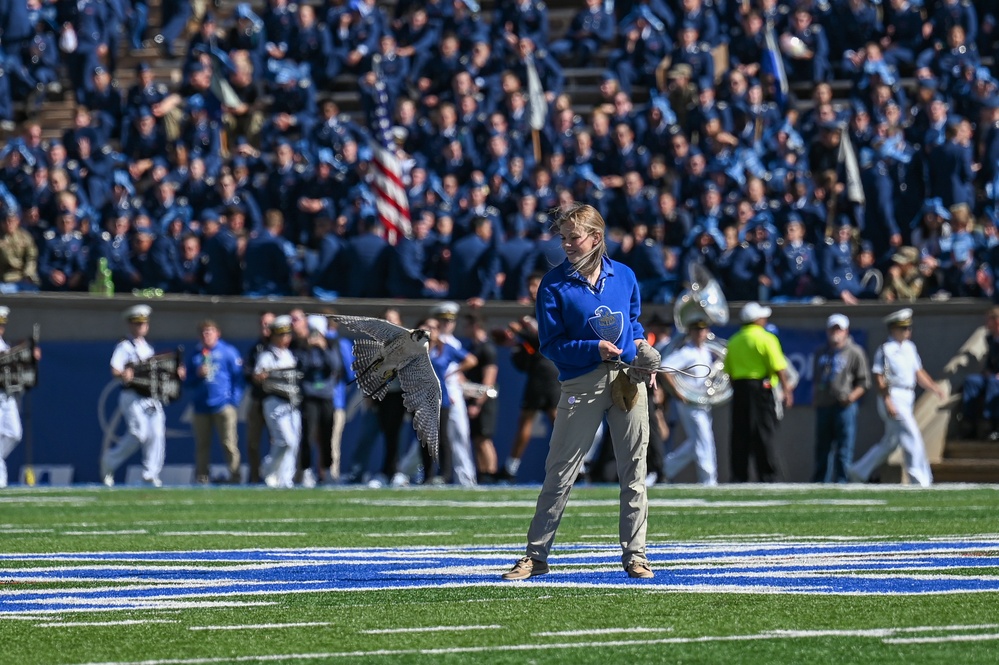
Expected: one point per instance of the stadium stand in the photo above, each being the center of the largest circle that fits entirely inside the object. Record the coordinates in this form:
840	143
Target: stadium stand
841	150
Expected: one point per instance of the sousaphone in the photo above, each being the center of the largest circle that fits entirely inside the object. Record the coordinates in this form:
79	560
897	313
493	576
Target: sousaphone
703	300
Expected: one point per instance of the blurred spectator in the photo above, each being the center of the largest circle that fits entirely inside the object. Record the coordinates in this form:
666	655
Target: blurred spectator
474	266
18	254
267	270
591	28
688	155
980	394
62	262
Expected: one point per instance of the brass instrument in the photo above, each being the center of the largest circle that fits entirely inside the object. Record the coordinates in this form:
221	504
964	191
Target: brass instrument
472	390
157	376
284	383
18	367
704	300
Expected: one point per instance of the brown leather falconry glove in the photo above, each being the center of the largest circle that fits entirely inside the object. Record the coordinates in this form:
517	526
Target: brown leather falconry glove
646	358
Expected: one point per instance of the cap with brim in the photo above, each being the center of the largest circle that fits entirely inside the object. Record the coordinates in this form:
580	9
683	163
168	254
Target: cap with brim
447	311
698	324
317	323
138	314
281	324
905	255
900	319
754	311
838	321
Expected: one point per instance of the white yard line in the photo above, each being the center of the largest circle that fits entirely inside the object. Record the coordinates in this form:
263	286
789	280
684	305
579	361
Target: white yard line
98	624
405	534
428	629
601	631
381	653
252	534
123	532
263	626
4	532
939	640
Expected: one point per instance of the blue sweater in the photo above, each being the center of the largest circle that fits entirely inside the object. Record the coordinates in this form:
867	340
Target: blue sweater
574	316
223	385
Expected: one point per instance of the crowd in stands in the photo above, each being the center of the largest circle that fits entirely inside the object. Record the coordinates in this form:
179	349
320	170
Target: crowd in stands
245	177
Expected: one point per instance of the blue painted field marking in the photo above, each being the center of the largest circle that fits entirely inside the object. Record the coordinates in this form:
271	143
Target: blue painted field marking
145	580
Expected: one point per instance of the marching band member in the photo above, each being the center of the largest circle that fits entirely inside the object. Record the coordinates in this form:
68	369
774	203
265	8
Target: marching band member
695	418
144	417
897	370
276	373
10	419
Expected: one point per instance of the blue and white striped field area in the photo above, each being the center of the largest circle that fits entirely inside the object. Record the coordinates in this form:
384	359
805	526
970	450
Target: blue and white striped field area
751	574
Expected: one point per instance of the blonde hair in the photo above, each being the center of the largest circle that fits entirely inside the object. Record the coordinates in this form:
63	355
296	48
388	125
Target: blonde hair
585	220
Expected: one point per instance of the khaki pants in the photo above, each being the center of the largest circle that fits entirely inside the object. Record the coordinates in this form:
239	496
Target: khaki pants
584	402
223	422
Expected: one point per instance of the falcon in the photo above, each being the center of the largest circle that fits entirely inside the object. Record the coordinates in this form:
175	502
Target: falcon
391	351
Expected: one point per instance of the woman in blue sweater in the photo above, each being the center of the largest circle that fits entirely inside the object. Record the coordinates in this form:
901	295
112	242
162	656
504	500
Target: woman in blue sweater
587	311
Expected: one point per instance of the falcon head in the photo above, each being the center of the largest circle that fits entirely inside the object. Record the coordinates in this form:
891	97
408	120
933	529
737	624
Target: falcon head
420	335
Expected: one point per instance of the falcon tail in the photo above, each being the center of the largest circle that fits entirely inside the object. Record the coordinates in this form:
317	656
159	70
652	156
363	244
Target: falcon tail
367	366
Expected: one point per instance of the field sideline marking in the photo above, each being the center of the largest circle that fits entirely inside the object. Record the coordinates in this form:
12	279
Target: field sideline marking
601	631
280	534
427	629
939	640
305	624
409	534
99	624
872	633
123	532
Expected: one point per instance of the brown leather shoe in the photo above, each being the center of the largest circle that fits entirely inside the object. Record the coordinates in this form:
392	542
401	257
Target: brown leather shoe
639	569
525	568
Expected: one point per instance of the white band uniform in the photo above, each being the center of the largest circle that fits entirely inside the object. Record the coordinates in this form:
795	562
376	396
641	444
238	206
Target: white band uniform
284	423
145	420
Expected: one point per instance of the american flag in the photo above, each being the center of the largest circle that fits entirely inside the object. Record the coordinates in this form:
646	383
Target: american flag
390	192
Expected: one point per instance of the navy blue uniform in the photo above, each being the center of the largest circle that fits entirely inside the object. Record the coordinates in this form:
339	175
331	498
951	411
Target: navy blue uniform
951	177
797	270
589	31
366	263
473	269
647	259
66	254
750	262
268	270
839	270
117	251
282	194
222	273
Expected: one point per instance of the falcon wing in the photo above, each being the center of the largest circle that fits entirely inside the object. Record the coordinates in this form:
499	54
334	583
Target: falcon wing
378	329
421	395
367	358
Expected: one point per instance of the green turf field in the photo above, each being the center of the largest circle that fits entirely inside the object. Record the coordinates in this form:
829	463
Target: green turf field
743	575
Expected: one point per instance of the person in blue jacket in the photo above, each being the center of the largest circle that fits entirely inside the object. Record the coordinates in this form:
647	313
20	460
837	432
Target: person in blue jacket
267	269
587	312
215	384
474	264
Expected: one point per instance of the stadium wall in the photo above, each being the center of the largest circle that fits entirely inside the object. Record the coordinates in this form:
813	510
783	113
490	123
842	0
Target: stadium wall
70	413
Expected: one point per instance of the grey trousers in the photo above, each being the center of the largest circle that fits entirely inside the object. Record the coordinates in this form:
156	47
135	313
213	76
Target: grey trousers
584	402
